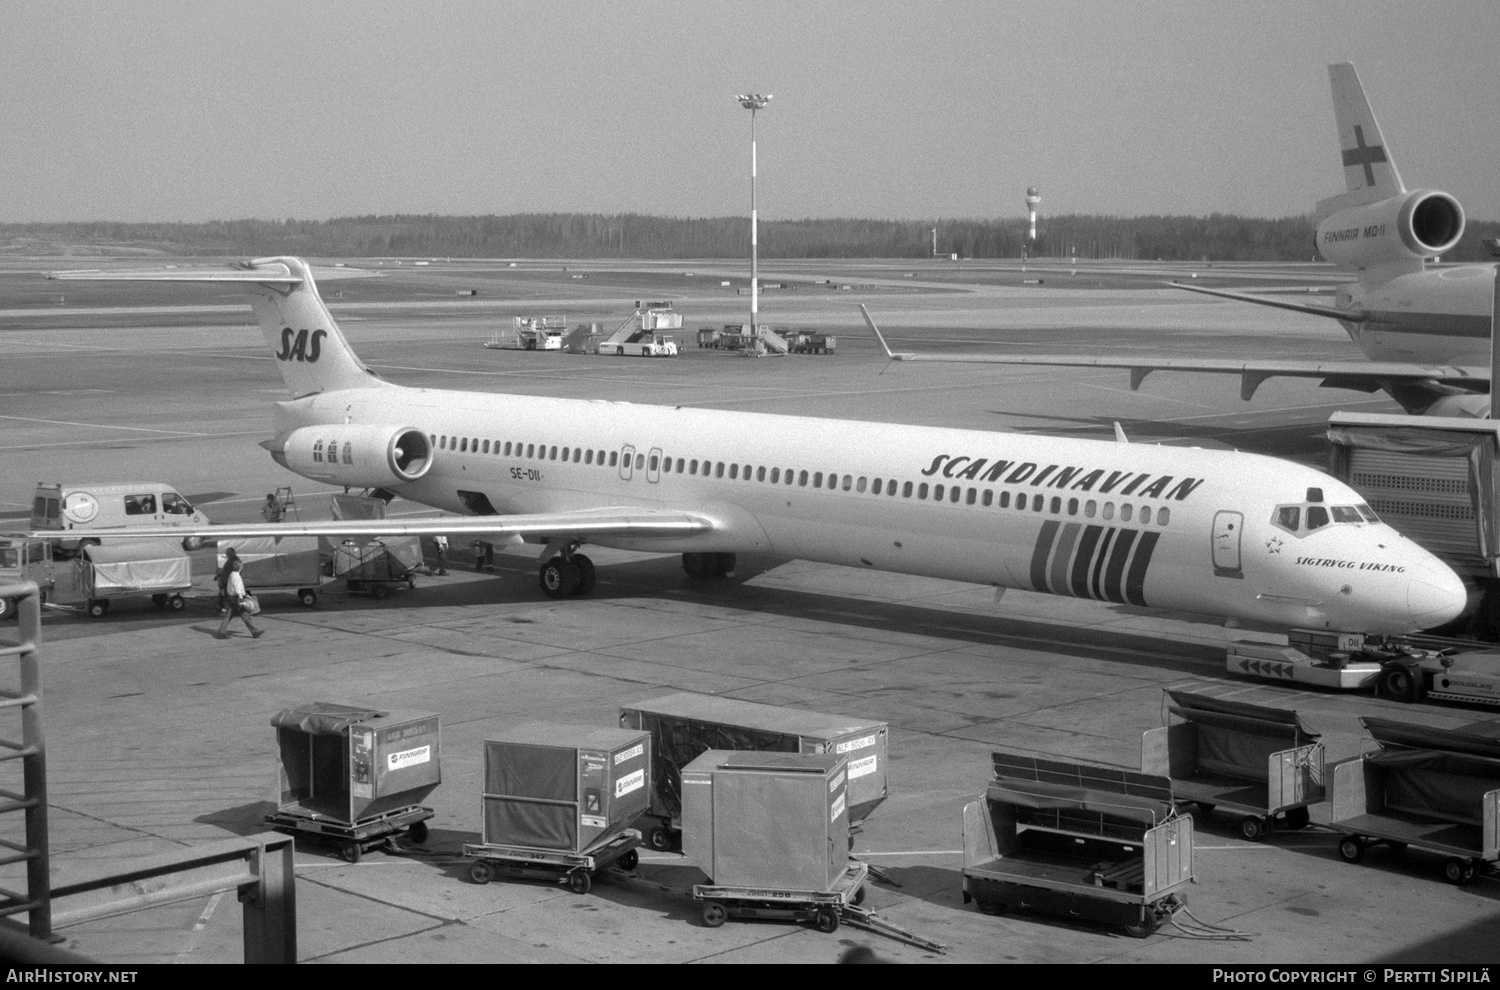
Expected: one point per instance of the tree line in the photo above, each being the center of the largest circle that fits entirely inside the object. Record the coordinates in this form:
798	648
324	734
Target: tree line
1217	237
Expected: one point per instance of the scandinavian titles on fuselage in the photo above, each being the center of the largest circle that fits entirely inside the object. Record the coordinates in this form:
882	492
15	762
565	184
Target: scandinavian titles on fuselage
1129	483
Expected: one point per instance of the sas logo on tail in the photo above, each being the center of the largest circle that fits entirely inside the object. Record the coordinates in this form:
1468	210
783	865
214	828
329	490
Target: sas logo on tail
299	345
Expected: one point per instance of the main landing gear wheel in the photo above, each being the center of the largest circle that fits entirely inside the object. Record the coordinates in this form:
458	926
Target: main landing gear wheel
481	872
714	914
587	576
558	578
707	565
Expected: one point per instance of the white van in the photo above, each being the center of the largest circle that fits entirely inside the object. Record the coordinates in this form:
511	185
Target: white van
101	509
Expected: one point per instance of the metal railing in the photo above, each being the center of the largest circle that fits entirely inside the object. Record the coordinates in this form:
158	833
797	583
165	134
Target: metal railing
31	750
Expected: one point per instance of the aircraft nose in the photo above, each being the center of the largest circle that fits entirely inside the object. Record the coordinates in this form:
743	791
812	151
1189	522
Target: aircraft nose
1434	595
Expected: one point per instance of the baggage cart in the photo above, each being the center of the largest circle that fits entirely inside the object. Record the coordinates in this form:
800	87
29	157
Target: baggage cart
1432	790
685	725
1086	842
102	573
281	565
354	777
378	566
1259	763
577	870
558	801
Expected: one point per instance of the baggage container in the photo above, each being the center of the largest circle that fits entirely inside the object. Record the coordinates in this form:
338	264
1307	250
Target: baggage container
685	725
563	787
1078	841
1433	790
379	565
355	774
1260	763
777	821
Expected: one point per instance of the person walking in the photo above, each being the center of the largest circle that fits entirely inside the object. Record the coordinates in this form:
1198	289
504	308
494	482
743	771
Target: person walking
235	594
440	549
222	576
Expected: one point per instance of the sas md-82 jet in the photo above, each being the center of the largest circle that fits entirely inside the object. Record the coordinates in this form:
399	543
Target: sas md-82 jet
1221	533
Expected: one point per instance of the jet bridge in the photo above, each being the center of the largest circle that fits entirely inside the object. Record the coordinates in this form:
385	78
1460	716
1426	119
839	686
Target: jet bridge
1435	479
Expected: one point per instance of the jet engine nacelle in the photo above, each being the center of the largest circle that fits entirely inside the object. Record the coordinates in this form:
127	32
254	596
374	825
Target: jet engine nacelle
356	456
1414	225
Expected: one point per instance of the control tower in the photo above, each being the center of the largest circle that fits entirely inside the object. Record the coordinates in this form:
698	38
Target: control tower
1032	199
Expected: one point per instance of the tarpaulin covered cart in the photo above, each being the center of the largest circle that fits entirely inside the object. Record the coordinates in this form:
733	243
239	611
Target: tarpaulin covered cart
558	800
355	776
379	565
1080	841
1435	790
1260	763
103	572
296	564
685	725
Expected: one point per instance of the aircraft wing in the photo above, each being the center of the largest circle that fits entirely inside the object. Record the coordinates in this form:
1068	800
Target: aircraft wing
1331	312
625	521
1364	376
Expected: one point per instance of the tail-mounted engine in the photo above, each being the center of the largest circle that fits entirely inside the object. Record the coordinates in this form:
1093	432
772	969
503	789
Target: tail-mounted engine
355	456
1412	226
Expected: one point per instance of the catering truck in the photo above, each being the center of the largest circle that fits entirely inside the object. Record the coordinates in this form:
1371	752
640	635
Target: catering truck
86	512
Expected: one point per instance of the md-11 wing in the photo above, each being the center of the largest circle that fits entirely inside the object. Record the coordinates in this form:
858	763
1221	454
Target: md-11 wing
1331	312
591	523
1364	376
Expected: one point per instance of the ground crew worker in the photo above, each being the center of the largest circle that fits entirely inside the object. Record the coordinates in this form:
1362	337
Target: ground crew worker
271	511
234	592
230	557
440	549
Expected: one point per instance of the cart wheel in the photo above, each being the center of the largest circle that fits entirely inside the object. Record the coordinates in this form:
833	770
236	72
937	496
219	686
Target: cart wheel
827	920
859	896
176	603
1297	819
579	882
1252	828
1458	871
1144	928
629	860
418	832
379	591
307	596
1352	848
714	914
991	907
659	838
160	601
351	851
1398	684
7	608
481	872
98	606
411	583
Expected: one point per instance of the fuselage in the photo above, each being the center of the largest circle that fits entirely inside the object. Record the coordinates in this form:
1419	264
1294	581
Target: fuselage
1214	532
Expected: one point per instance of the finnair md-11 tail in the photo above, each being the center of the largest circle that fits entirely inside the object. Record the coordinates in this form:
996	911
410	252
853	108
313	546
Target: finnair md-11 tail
1221	533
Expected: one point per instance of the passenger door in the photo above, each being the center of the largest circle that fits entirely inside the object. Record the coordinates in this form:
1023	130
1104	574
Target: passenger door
627	461
1228	530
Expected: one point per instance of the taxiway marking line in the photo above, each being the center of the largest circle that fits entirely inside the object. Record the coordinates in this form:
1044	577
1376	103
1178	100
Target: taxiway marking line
169	436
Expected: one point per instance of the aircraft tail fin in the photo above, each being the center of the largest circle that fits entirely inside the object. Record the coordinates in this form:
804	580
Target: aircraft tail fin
1370	172
310	350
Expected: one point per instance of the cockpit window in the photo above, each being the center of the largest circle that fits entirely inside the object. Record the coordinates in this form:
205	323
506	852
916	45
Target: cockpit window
1289	517
1317	517
1368	513
1346	514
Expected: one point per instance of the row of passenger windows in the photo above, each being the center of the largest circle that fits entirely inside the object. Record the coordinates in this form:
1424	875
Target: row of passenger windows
956	494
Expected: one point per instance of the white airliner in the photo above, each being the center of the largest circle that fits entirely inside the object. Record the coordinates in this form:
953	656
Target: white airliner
1425	331
1221	533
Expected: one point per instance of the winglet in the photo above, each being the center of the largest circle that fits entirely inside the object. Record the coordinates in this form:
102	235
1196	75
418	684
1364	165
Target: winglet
1120	433
890	355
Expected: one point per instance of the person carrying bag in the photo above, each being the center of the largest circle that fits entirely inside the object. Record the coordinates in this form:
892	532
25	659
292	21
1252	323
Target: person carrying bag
241	604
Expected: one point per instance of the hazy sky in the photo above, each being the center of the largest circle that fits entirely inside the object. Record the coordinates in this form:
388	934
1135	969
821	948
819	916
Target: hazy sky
205	109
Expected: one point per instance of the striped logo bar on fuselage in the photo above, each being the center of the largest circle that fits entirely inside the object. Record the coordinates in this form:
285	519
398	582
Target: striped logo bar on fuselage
1106	563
